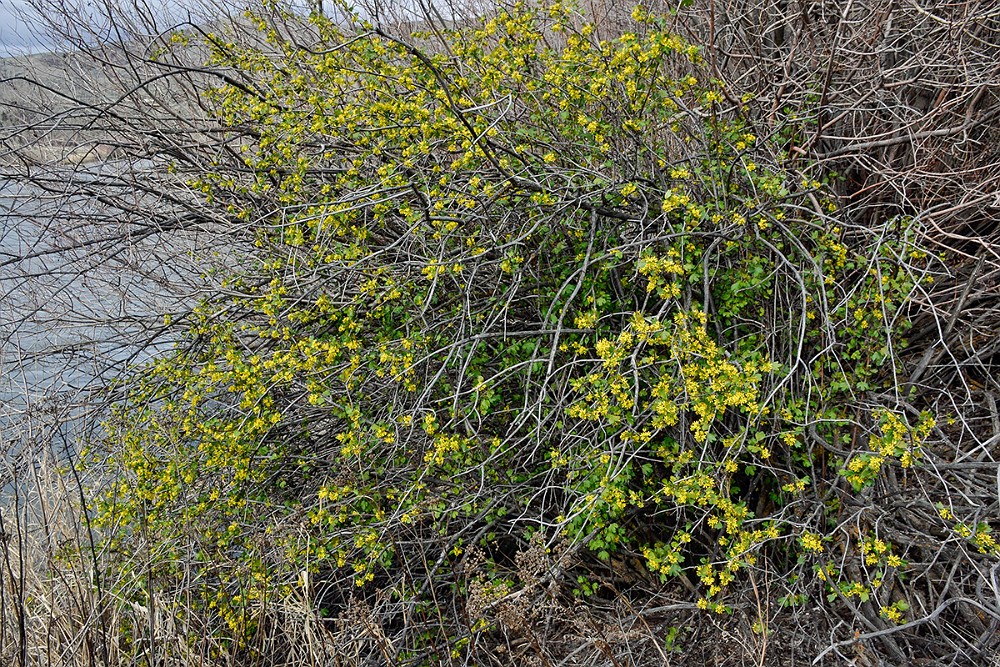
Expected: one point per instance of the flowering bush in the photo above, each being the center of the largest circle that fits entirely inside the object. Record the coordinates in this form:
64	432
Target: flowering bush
510	287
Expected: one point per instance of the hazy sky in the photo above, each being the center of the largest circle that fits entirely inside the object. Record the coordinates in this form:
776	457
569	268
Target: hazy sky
14	35
16	38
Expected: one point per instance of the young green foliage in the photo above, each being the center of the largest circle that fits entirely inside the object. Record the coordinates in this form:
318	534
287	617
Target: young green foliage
506	279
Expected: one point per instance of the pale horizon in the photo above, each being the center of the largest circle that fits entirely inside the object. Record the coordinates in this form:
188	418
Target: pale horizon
15	37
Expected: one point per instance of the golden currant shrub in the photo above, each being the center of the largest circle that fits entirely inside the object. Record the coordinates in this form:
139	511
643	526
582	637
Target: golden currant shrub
502	283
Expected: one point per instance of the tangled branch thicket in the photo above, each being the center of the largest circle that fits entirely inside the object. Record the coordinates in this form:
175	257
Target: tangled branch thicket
544	334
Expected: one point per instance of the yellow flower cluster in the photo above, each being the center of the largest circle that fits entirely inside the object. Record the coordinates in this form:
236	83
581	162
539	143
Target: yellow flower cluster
711	382
895	439
662	274
443	447
894	612
812	542
877	551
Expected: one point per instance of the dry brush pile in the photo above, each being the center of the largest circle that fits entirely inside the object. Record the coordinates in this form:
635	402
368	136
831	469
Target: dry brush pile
556	334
